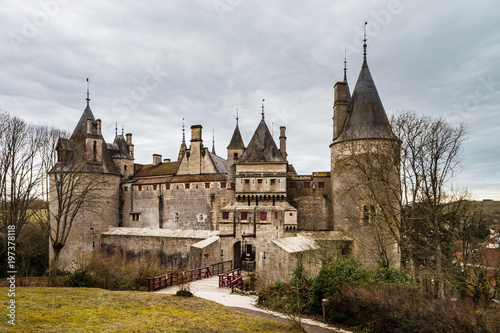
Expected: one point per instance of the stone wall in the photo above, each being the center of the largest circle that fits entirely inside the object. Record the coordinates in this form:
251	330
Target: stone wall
95	217
171	247
311	195
187	205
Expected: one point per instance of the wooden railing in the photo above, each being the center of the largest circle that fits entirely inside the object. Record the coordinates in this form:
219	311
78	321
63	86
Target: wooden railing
231	279
174	278
221	267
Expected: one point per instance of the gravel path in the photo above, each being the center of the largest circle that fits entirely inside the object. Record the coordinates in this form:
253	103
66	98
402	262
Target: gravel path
209	289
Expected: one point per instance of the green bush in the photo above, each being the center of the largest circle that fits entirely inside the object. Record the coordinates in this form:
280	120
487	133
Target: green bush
336	274
79	279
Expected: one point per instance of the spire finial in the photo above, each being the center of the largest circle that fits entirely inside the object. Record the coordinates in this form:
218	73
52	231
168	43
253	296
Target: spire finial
88	98
213	141
263	108
237	117
116	128
345	65
183	134
123	129
364	42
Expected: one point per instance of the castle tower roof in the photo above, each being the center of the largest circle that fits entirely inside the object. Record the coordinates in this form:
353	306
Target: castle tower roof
367	117
236	140
262	147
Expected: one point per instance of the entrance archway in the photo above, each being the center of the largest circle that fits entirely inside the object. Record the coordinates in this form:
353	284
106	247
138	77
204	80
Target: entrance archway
237	254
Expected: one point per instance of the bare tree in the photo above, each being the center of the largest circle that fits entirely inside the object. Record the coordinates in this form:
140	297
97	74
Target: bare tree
20	172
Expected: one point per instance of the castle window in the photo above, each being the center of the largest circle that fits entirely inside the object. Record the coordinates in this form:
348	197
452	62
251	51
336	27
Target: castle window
225	215
291	214
369	213
125	188
235	155
135	216
247	181
273	181
207	185
155	187
244	215
275	215
321	184
167	186
263	216
222	185
292	184
95	150
186	186
139	188
259	181
307	184
125	168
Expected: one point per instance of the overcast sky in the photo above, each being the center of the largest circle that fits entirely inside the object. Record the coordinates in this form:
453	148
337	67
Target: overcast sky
152	63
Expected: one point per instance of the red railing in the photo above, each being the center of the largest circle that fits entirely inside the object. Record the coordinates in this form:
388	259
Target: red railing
170	279
231	279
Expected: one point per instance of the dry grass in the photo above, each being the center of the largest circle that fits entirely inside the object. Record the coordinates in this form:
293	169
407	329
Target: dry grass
98	310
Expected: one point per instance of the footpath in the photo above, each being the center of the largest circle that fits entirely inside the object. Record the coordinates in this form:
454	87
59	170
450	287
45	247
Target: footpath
209	289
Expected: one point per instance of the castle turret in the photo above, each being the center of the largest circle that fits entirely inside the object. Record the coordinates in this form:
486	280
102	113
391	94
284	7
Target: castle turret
364	157
234	151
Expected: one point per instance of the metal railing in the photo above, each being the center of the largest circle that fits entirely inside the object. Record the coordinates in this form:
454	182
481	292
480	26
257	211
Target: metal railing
221	267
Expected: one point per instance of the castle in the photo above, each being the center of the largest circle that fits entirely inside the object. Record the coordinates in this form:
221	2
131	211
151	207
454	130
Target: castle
250	207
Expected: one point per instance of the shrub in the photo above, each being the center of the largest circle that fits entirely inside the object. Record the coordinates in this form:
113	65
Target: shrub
79	279
402	308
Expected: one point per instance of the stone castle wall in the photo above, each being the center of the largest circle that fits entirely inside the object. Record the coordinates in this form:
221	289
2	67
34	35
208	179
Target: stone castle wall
187	205
311	195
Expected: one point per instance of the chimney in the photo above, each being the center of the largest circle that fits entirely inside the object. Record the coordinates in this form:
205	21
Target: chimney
339	107
156	159
196	133
128	139
89	125
167	160
283	142
98	126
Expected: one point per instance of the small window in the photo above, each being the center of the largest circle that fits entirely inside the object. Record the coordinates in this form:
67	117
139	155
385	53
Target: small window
167	186
292	184
275	215
321	184
273	181
247	181
223	185
225	215
244	215
235	155
291	214
307	184
259	181
125	167
135	216
125	188
155	187
139	188
369	213
263	216
186	186
207	185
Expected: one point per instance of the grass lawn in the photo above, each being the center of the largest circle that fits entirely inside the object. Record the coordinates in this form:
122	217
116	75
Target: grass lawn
99	310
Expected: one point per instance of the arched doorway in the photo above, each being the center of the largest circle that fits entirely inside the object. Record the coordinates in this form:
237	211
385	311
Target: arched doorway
237	254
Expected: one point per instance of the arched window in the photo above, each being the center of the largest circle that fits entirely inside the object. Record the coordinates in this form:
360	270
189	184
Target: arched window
95	150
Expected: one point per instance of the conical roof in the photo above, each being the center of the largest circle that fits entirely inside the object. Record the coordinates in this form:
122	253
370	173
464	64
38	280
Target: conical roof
262	147
367	117
236	140
81	127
